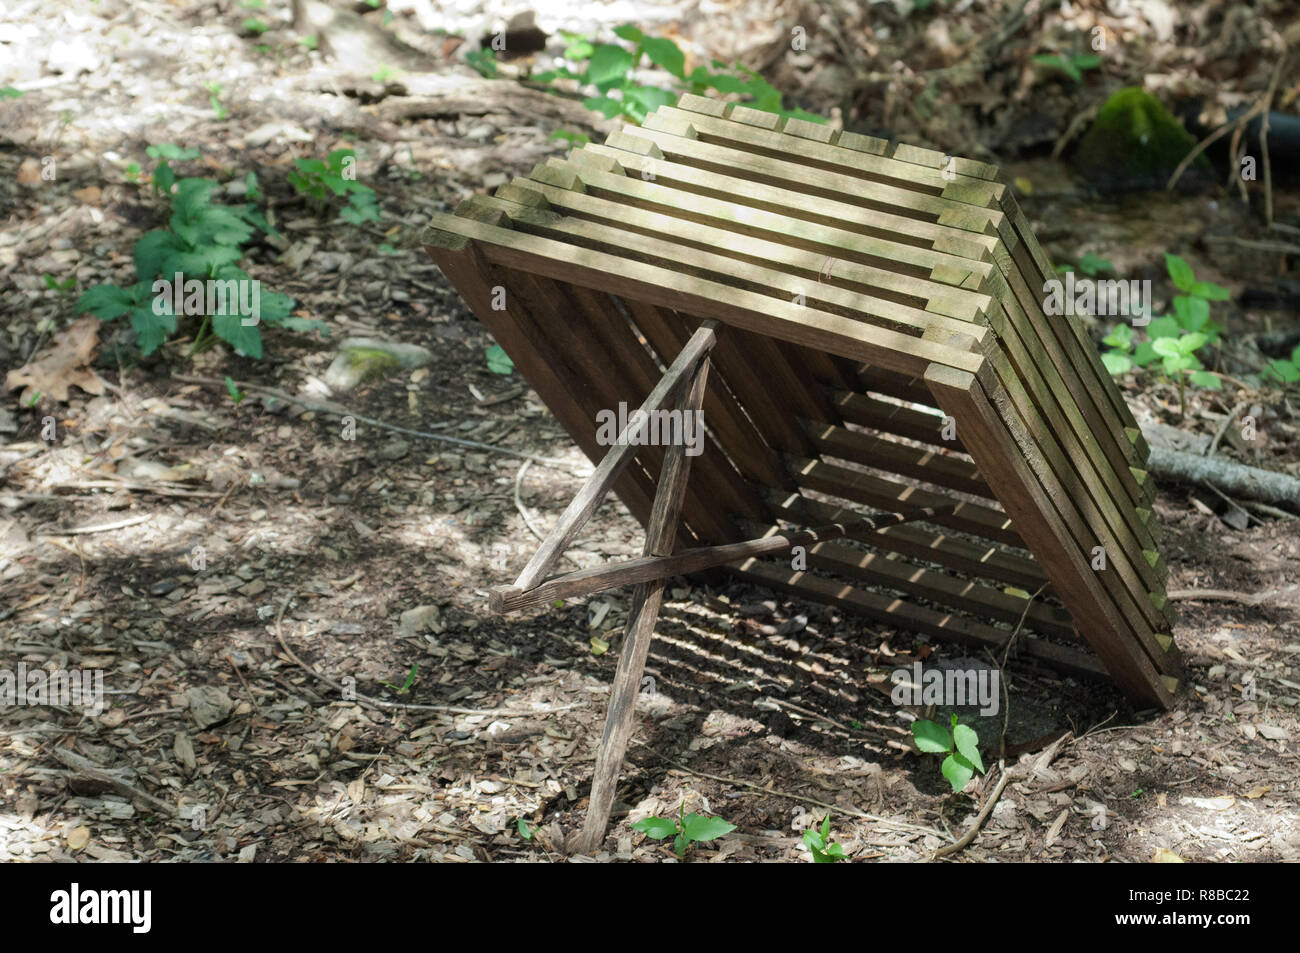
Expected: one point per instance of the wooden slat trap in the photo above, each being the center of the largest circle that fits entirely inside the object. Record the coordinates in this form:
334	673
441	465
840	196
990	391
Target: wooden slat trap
862	326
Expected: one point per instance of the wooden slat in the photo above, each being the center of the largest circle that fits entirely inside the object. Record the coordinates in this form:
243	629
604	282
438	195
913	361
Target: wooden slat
833	480
747	310
946	470
912	618
982	560
1000	456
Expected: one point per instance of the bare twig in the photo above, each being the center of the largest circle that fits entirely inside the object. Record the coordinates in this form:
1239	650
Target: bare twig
969	836
1223	429
340	411
519	503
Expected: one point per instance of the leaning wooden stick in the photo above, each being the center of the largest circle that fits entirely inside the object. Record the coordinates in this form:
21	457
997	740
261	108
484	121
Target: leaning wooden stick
593	491
643	614
585	582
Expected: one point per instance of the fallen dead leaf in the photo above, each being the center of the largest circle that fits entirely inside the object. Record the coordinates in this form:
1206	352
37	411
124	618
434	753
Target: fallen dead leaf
1163	856
79	838
1258	791
62	365
90	194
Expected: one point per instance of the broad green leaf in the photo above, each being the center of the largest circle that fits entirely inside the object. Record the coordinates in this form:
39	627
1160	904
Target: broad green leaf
930	737
251	187
1207	380
156	252
311	166
958	771
1191	312
245	338
1284	371
722	82
1121	337
273	309
1086	61
579	48
645	100
608	66
498	361
664	52
1180	272
1188	343
607	107
826	827
629	33
1179	362
701	828
1295	355
164	178
1091	264
524	832
105	302
295	323
967	743
151	329
1210	291
1144	354
656	827
1116	362
813	840
192	194
1165	326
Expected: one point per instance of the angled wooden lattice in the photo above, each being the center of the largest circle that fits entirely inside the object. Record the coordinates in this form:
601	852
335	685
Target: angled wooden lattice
881	343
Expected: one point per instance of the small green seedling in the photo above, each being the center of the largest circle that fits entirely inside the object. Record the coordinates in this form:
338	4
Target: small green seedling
687	828
498	361
1173	339
62	287
10	92
961	745
1071	66
525	831
214	100
406	685
485	61
1284	371
318	180
819	842
236	394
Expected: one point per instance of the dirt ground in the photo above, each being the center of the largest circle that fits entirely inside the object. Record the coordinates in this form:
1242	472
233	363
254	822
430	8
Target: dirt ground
258	583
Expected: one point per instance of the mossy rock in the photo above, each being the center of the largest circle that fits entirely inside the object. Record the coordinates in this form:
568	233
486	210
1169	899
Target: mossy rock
365	359
1136	143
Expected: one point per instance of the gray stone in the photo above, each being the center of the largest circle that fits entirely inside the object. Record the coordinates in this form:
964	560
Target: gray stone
209	705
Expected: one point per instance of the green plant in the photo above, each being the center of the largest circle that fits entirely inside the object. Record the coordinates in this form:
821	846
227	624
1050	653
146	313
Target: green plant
498	361
202	241
685	829
255	26
236	394
571	137
960	744
1071	66
819	842
320	180
406	685
1284	371
62	287
385	73
1090	264
214	100
525	831
485	61
10	92
609	68
1174	339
